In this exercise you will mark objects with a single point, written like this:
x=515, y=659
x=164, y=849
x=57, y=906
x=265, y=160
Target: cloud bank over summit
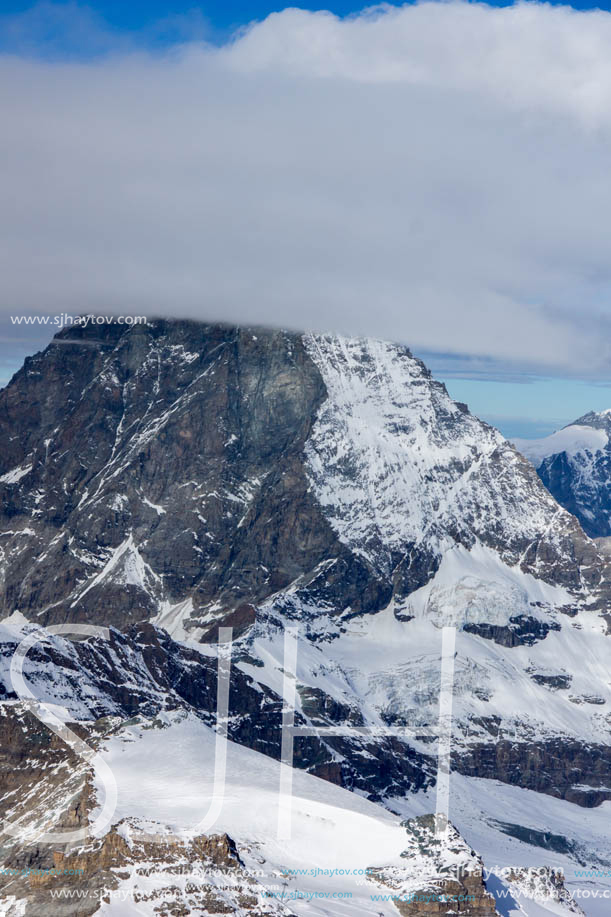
x=435, y=174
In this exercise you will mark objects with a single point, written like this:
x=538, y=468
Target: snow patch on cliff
x=396, y=463
x=475, y=586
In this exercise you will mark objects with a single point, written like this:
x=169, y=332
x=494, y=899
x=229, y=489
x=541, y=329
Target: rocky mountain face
x=185, y=470
x=575, y=465
x=144, y=672
x=169, y=479
x=456, y=880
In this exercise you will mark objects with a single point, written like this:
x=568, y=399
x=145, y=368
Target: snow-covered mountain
x=169, y=479
x=575, y=465
x=182, y=470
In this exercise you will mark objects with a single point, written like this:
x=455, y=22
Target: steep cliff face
x=182, y=470
x=164, y=466
x=575, y=465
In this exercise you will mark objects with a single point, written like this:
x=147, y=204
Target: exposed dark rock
x=186, y=437
x=566, y=769
x=240, y=619
x=98, y=867
x=547, y=840
x=595, y=699
x=448, y=874
x=522, y=630
x=145, y=671
x=152, y=465
x=552, y=681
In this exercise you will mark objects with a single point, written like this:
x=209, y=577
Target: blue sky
x=27, y=27
x=137, y=16
x=529, y=409
x=436, y=175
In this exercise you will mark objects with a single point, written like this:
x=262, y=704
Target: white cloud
x=437, y=174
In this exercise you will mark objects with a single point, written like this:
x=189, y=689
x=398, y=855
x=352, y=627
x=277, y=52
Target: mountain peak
x=574, y=463
x=142, y=476
x=599, y=420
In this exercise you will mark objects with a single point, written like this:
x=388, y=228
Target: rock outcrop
x=442, y=875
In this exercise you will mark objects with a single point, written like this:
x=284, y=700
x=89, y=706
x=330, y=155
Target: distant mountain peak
x=574, y=463
x=600, y=420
